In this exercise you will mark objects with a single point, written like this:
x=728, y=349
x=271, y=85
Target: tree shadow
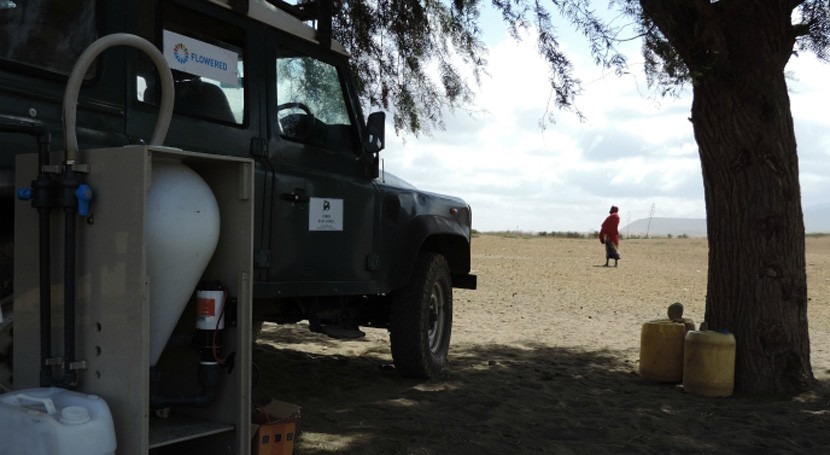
x=523, y=399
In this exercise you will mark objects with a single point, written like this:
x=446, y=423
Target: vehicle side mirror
x=375, y=127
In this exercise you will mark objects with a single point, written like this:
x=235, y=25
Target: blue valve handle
x=83, y=194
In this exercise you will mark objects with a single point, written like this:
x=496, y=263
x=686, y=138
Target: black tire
x=421, y=319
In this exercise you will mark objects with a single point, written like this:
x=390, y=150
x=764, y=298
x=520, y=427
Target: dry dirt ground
x=544, y=359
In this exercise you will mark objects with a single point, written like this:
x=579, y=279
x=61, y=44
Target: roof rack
x=318, y=11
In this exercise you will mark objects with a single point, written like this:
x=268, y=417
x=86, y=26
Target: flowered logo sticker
x=193, y=56
x=180, y=53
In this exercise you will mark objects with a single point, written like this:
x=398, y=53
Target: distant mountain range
x=662, y=227
x=816, y=220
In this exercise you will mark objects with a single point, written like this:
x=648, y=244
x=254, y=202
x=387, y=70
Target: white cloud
x=634, y=150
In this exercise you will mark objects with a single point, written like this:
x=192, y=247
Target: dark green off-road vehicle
x=336, y=242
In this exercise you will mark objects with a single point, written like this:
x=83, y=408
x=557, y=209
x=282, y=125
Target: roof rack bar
x=320, y=11
x=305, y=11
x=325, y=11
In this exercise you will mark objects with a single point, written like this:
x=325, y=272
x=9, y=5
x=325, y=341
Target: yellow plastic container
x=661, y=350
x=709, y=363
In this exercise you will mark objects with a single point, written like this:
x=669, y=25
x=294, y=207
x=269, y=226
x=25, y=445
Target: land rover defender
x=337, y=242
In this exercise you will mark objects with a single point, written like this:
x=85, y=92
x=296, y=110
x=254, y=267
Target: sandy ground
x=544, y=359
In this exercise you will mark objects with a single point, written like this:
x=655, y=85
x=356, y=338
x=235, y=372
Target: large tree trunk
x=757, y=286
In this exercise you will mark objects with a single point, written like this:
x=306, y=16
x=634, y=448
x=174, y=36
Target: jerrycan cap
x=74, y=415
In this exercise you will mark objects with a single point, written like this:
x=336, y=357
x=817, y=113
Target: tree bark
x=757, y=284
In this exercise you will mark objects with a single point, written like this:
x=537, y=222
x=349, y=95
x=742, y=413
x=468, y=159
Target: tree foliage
x=418, y=58
x=679, y=35
x=406, y=55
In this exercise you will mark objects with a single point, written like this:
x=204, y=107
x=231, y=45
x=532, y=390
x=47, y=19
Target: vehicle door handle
x=295, y=197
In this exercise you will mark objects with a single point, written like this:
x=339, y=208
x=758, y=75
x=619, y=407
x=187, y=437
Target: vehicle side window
x=47, y=34
x=207, y=64
x=311, y=106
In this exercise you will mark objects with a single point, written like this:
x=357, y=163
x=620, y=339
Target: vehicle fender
x=432, y=233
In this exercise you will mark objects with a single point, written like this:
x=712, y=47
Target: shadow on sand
x=519, y=399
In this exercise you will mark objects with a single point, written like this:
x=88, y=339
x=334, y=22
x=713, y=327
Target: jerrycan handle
x=46, y=402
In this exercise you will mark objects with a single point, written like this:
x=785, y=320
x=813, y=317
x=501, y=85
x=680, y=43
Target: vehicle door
x=321, y=223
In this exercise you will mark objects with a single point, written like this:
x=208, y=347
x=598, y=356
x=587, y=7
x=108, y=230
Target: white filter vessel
x=182, y=233
x=55, y=421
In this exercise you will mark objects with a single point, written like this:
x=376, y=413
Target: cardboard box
x=275, y=439
x=274, y=427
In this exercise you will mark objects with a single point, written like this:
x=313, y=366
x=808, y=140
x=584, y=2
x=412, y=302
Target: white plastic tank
x=182, y=227
x=55, y=421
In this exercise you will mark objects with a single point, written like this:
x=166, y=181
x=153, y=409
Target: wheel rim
x=437, y=319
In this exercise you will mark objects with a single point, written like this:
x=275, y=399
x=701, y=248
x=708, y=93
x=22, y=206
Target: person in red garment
x=610, y=235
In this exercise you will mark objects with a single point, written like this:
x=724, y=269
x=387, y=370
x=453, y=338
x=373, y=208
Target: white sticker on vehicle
x=325, y=214
x=192, y=56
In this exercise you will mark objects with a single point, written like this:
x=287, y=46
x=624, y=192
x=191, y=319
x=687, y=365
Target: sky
x=634, y=150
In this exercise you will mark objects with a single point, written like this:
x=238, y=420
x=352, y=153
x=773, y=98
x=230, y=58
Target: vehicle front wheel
x=421, y=319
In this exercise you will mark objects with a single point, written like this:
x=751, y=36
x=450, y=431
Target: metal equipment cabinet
x=113, y=302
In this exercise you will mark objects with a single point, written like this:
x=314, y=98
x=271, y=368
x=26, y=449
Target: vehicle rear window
x=46, y=34
x=206, y=56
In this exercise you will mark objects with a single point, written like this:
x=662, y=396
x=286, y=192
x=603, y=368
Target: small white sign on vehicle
x=325, y=214
x=192, y=56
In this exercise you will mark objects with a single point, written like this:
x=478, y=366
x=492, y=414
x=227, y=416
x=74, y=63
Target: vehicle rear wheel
x=421, y=319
